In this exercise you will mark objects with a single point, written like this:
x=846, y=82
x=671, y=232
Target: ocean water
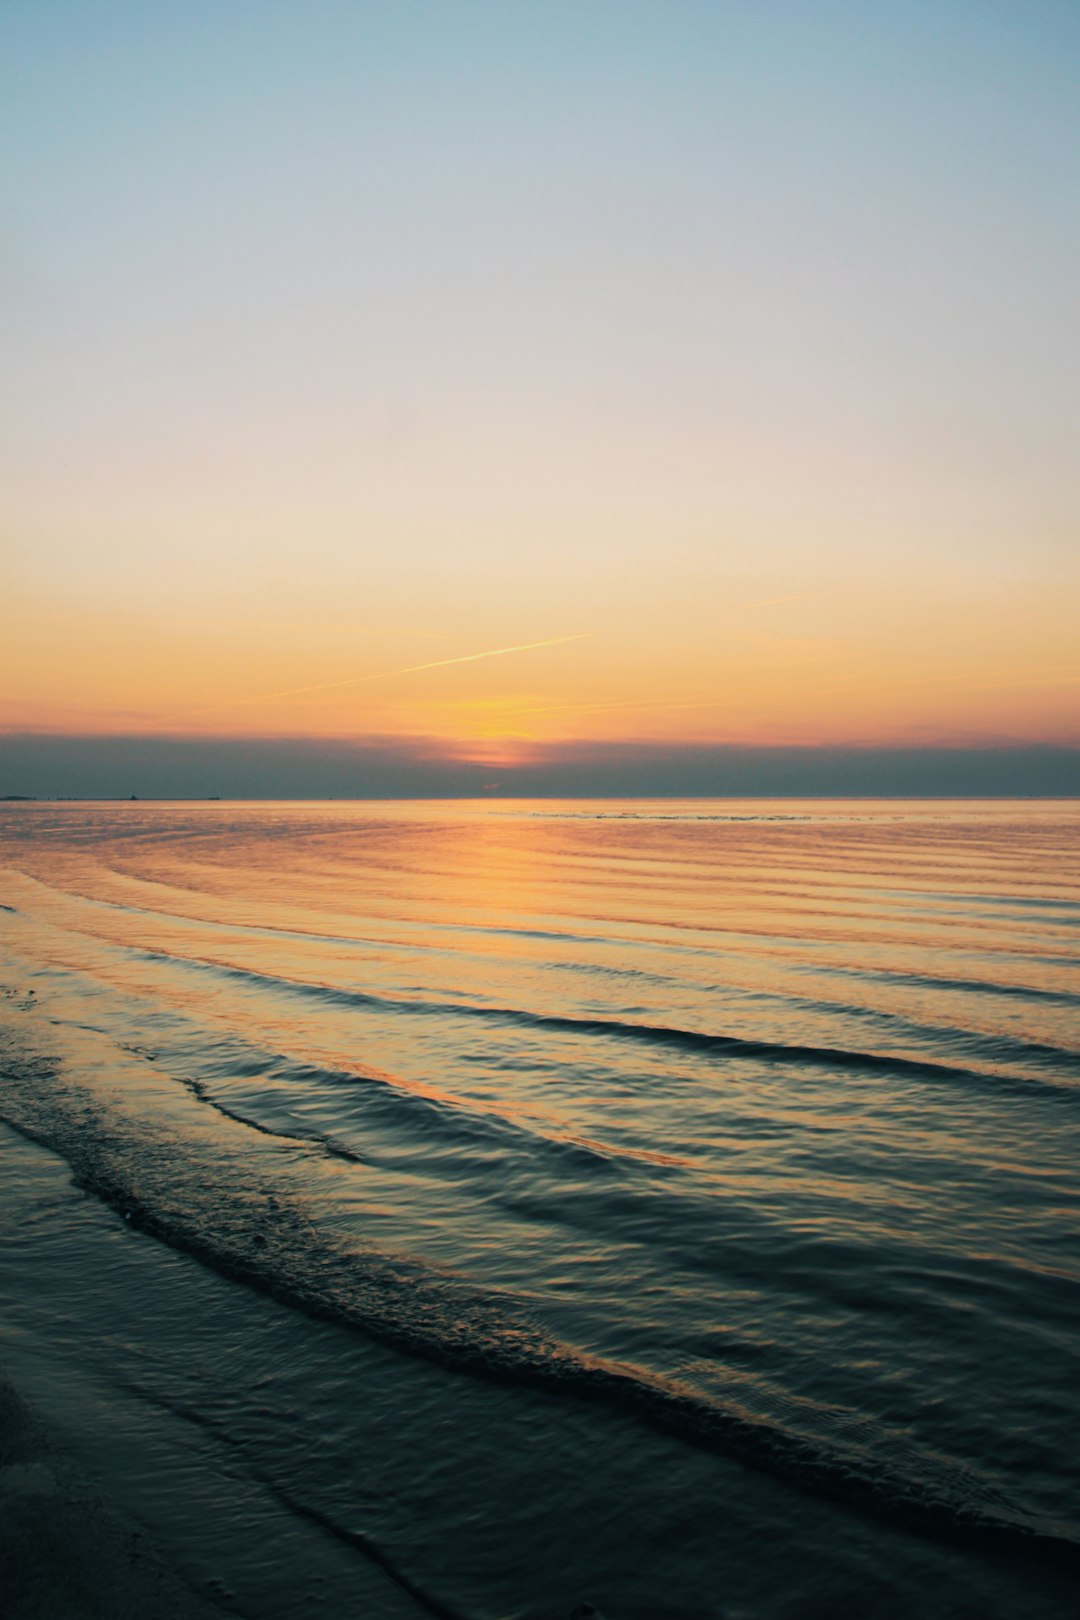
x=489, y=1209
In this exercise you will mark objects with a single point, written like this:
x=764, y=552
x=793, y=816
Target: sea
x=525, y=1210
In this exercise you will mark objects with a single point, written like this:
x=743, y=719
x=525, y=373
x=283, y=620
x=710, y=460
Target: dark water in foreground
x=485, y=1209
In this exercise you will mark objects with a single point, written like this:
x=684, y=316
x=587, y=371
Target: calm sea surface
x=487, y=1209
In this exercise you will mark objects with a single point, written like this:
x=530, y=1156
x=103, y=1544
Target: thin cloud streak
x=467, y=658
x=388, y=674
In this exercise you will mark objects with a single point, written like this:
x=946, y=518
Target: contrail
x=414, y=669
x=409, y=669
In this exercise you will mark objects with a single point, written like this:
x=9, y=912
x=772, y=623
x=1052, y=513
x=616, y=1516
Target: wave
x=480, y=1135
x=325, y=1144
x=476, y=1133
x=672, y=1037
x=225, y=1215
x=986, y=987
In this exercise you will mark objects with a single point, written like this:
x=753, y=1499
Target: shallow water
x=672, y=1206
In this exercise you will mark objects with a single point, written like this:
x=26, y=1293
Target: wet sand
x=66, y=1550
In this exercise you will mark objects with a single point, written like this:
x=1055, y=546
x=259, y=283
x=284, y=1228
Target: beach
x=66, y=1551
x=486, y=1210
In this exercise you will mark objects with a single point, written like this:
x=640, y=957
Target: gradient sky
x=730, y=351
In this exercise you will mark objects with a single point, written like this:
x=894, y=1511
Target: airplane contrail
x=410, y=669
x=437, y=663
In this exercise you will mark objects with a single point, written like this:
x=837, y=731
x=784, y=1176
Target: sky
x=507, y=384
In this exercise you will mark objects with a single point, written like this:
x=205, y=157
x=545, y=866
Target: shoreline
x=117, y=1499
x=67, y=1550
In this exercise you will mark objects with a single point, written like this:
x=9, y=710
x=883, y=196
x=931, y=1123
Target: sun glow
x=604, y=437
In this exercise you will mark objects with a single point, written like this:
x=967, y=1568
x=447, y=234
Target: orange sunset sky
x=710, y=370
